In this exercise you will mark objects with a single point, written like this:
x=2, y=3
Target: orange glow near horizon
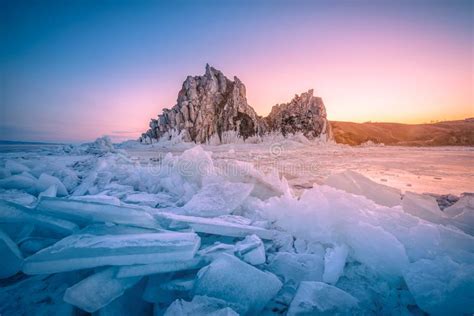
x=85, y=76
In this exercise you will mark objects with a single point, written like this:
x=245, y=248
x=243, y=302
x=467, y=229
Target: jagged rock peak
x=305, y=113
x=208, y=105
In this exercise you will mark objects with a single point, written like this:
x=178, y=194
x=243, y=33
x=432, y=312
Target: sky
x=71, y=71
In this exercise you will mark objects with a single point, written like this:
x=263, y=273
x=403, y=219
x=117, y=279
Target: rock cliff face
x=208, y=105
x=305, y=113
x=212, y=104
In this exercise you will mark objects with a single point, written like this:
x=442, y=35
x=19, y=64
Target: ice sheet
x=353, y=182
x=46, y=180
x=294, y=268
x=334, y=262
x=10, y=255
x=200, y=305
x=98, y=290
x=85, y=212
x=216, y=199
x=15, y=213
x=318, y=298
x=83, y=251
x=235, y=281
x=216, y=226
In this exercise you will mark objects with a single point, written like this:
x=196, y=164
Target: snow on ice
x=93, y=228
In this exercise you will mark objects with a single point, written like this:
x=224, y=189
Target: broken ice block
x=293, y=267
x=334, y=262
x=355, y=183
x=18, y=197
x=200, y=305
x=163, y=267
x=180, y=284
x=215, y=226
x=423, y=206
x=152, y=200
x=10, y=257
x=39, y=295
x=251, y=250
x=83, y=251
x=153, y=293
x=52, y=191
x=442, y=286
x=45, y=181
x=86, y=212
x=19, y=182
x=98, y=290
x=15, y=167
x=32, y=245
x=462, y=214
x=318, y=298
x=130, y=303
x=15, y=213
x=235, y=281
x=99, y=198
x=217, y=199
x=88, y=182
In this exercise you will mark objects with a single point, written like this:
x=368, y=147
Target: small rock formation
x=305, y=113
x=208, y=105
x=212, y=104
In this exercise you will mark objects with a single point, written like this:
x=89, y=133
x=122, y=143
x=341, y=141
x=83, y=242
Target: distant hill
x=449, y=133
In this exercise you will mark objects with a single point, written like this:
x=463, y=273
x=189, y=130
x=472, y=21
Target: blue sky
x=75, y=70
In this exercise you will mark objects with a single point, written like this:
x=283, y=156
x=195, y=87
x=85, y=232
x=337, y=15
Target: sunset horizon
x=106, y=68
x=237, y=157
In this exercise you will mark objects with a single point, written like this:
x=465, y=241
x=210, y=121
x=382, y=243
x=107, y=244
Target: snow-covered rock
x=304, y=114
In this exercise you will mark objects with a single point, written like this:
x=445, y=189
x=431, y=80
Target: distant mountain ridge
x=448, y=133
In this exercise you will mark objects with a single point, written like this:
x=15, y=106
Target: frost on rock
x=235, y=281
x=318, y=298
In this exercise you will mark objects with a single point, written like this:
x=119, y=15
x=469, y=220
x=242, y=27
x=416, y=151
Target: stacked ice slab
x=93, y=231
x=113, y=258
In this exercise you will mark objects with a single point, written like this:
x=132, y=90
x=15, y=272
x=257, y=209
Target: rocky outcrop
x=211, y=105
x=208, y=105
x=305, y=113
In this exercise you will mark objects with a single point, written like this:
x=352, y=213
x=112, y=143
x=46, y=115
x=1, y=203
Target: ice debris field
x=89, y=229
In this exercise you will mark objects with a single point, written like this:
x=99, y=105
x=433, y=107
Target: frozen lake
x=439, y=170
x=168, y=229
